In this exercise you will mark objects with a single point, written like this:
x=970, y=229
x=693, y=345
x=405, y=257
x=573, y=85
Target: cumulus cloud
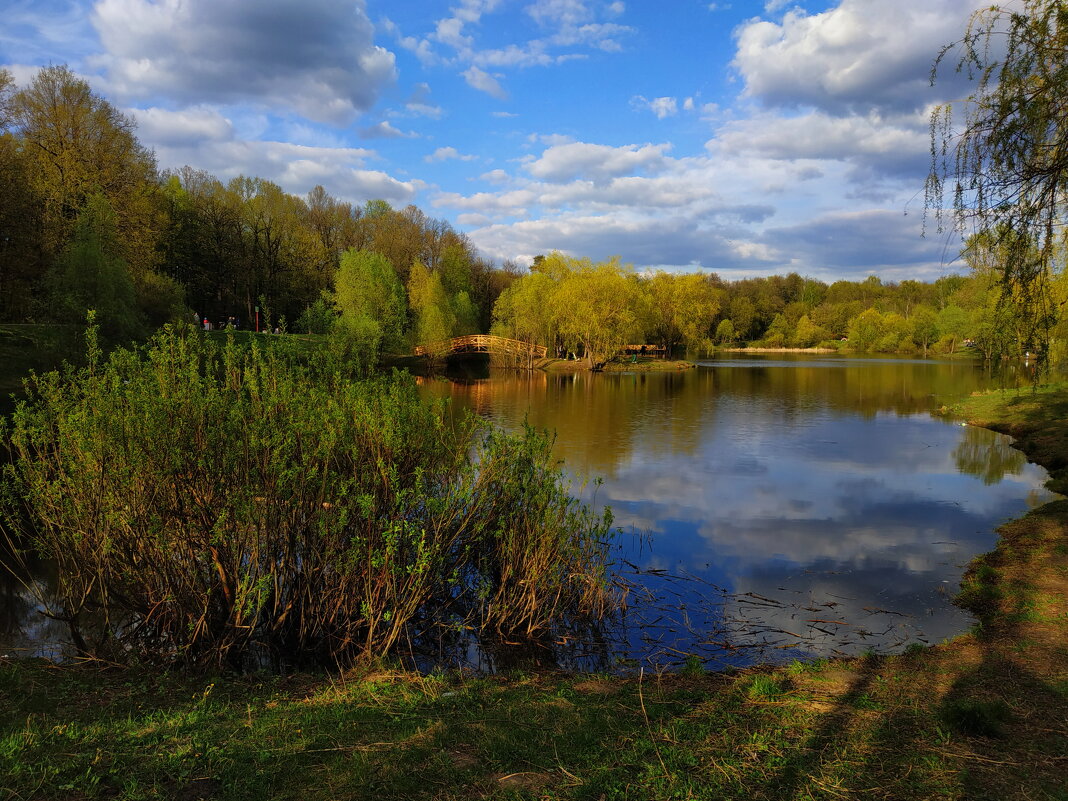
x=644, y=241
x=418, y=104
x=571, y=26
x=891, y=146
x=202, y=138
x=448, y=153
x=854, y=244
x=859, y=55
x=316, y=57
x=384, y=130
x=484, y=82
x=660, y=106
x=175, y=128
x=596, y=162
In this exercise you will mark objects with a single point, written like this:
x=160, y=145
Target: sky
x=746, y=138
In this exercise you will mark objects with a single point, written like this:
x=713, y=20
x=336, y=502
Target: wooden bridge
x=483, y=343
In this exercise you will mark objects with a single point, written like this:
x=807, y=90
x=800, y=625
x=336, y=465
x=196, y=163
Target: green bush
x=205, y=505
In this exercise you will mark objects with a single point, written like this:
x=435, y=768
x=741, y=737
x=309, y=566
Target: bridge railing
x=483, y=343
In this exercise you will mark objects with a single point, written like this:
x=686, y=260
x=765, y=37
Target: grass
x=984, y=716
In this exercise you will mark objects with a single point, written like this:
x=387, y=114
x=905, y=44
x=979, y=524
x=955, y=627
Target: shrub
x=208, y=505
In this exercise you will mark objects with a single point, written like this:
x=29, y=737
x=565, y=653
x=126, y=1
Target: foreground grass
x=982, y=717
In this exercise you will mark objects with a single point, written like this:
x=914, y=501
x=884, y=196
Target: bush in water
x=204, y=503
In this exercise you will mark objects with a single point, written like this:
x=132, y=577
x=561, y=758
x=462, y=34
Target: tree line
x=599, y=309
x=90, y=222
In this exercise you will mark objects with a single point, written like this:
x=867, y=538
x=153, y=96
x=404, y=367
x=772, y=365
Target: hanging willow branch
x=1007, y=169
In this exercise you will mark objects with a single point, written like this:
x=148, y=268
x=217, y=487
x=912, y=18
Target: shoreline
x=984, y=715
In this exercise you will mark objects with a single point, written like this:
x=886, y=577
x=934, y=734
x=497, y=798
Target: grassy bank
x=982, y=717
x=621, y=365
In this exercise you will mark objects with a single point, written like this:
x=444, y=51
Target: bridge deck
x=483, y=343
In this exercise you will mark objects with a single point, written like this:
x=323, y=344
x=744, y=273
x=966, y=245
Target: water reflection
x=24, y=628
x=775, y=507
x=793, y=506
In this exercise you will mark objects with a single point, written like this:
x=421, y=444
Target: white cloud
x=894, y=145
x=316, y=57
x=596, y=162
x=473, y=219
x=417, y=104
x=859, y=55
x=203, y=139
x=448, y=153
x=33, y=32
x=385, y=130
x=662, y=107
x=484, y=82
x=855, y=244
x=175, y=128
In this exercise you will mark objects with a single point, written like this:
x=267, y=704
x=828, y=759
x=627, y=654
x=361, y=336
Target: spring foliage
x=1007, y=169
x=208, y=506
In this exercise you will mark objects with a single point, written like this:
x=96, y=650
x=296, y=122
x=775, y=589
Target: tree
x=681, y=309
x=807, y=334
x=366, y=286
x=523, y=311
x=865, y=330
x=597, y=305
x=434, y=319
x=90, y=274
x=725, y=332
x=1008, y=169
x=78, y=145
x=924, y=327
x=21, y=267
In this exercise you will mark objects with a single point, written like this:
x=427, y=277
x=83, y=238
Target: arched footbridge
x=483, y=343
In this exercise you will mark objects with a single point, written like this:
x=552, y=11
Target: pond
x=770, y=507
x=778, y=507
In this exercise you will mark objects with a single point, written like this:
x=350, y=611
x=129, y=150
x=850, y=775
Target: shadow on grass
x=985, y=717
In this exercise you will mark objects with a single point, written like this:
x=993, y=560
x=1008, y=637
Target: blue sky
x=747, y=138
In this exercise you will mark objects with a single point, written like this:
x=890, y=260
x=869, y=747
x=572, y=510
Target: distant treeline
x=88, y=221
x=598, y=309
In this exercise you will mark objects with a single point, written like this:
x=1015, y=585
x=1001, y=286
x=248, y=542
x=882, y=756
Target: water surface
x=771, y=508
x=779, y=507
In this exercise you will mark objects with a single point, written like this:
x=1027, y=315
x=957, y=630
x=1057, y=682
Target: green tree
x=681, y=309
x=366, y=286
x=1002, y=155
x=778, y=333
x=725, y=334
x=434, y=318
x=90, y=274
x=865, y=330
x=524, y=310
x=743, y=315
x=807, y=334
x=953, y=324
x=78, y=145
x=925, y=328
x=597, y=306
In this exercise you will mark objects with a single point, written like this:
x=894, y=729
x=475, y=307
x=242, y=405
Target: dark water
x=772, y=508
x=779, y=507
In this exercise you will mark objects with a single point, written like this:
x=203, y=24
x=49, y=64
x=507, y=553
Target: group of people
x=231, y=324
